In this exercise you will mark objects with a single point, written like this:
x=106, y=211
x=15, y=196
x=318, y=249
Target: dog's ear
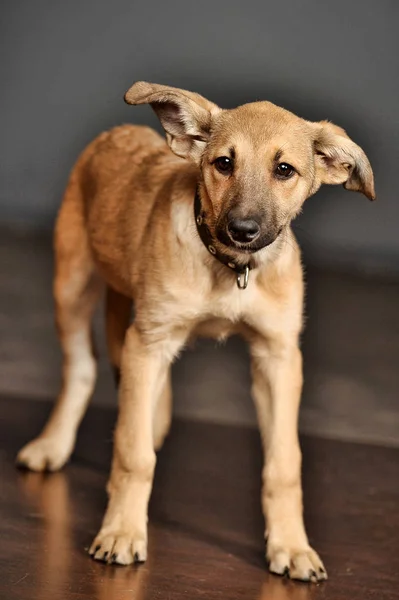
x=340, y=160
x=186, y=117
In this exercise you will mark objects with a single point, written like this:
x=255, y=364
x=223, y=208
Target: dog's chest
x=231, y=303
x=224, y=311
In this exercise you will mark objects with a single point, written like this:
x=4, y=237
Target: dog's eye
x=224, y=165
x=284, y=171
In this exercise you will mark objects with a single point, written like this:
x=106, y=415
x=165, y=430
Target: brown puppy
x=128, y=220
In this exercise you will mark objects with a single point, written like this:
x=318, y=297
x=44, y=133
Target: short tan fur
x=127, y=222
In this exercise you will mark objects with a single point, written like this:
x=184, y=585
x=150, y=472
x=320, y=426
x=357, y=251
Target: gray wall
x=66, y=65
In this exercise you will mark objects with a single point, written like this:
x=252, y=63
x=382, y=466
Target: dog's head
x=259, y=162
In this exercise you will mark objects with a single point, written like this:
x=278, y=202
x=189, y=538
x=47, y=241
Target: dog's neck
x=241, y=270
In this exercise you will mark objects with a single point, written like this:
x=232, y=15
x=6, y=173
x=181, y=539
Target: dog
x=195, y=231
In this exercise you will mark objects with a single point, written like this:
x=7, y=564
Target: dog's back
x=111, y=194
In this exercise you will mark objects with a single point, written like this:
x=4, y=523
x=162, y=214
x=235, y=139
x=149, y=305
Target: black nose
x=243, y=230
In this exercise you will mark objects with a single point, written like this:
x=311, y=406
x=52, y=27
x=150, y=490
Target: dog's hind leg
x=118, y=311
x=76, y=290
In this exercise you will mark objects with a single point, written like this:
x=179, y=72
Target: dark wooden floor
x=206, y=526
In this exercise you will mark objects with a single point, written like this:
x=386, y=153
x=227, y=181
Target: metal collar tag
x=242, y=279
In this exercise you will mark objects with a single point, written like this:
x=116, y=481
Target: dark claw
x=96, y=549
x=22, y=465
x=322, y=571
x=312, y=575
x=105, y=556
x=136, y=557
x=286, y=572
x=114, y=557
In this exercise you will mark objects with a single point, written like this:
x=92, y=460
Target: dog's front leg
x=123, y=536
x=277, y=384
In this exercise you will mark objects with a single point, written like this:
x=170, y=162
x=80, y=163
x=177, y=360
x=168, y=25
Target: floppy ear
x=340, y=160
x=186, y=117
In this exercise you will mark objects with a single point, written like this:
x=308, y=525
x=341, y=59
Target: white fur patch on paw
x=44, y=454
x=303, y=564
x=118, y=548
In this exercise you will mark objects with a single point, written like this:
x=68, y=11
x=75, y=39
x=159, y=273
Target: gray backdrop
x=66, y=65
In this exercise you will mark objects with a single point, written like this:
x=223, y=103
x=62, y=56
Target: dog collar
x=242, y=271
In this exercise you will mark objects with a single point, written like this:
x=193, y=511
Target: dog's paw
x=118, y=548
x=44, y=454
x=303, y=564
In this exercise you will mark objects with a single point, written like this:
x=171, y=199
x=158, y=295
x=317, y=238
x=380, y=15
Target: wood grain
x=206, y=525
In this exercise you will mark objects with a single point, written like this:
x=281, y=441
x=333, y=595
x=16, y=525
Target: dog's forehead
x=260, y=123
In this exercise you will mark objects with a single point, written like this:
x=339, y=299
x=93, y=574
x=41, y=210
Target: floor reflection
x=279, y=588
x=48, y=498
x=123, y=583
x=57, y=563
